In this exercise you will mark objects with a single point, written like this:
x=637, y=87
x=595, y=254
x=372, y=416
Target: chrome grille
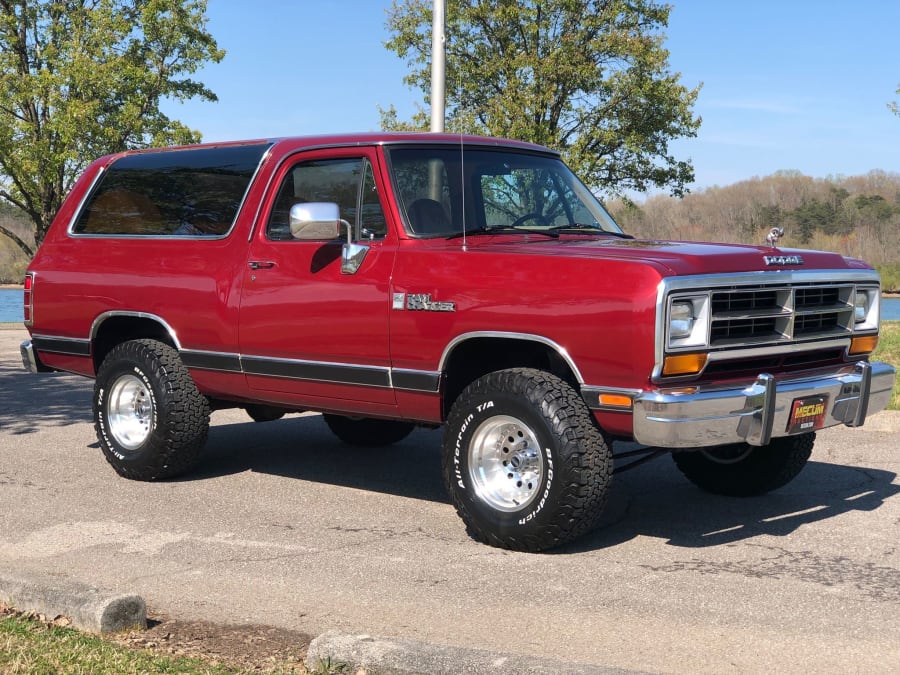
x=816, y=323
x=743, y=316
x=816, y=296
x=741, y=328
x=743, y=300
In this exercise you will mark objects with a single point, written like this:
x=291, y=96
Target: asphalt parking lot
x=284, y=525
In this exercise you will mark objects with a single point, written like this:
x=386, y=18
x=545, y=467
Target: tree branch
x=17, y=241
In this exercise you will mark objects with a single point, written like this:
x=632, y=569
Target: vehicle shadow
x=657, y=501
x=654, y=500
x=28, y=401
x=304, y=448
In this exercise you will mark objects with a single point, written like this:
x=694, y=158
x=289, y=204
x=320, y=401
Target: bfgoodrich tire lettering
x=150, y=418
x=742, y=470
x=523, y=462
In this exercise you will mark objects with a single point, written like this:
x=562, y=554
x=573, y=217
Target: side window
x=195, y=192
x=349, y=183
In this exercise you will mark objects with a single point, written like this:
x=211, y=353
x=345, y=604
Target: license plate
x=807, y=414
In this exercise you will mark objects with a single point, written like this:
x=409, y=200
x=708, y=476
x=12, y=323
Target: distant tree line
x=856, y=216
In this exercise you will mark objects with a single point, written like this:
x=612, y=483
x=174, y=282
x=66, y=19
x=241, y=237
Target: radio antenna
x=462, y=184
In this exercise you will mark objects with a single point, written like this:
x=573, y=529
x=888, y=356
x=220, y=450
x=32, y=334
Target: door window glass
x=372, y=224
x=347, y=182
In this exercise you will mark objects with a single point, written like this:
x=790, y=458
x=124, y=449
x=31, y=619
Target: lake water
x=11, y=306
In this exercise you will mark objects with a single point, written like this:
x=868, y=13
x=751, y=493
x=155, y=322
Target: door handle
x=261, y=264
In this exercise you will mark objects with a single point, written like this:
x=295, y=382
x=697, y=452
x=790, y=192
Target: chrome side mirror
x=322, y=220
x=315, y=220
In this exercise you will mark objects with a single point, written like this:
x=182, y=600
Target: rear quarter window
x=193, y=192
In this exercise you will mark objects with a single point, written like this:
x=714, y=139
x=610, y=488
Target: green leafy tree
x=810, y=216
x=587, y=77
x=83, y=78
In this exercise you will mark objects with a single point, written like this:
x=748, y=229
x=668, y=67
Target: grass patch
x=889, y=352
x=29, y=645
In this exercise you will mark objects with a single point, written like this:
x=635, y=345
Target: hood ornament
x=772, y=238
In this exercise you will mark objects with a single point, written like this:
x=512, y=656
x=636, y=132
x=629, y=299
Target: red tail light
x=27, y=301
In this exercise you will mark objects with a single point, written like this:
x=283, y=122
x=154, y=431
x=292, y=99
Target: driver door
x=309, y=334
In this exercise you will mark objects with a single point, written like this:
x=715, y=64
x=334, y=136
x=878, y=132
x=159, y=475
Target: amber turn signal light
x=615, y=400
x=864, y=344
x=684, y=364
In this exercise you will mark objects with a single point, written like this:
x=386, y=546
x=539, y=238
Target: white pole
x=437, y=67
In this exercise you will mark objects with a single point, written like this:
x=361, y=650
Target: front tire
x=366, y=432
x=524, y=464
x=150, y=418
x=742, y=470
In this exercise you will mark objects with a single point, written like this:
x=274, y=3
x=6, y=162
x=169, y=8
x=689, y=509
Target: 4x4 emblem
x=421, y=302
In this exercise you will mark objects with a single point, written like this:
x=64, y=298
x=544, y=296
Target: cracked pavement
x=283, y=525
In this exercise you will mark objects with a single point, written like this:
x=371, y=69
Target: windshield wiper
x=581, y=227
x=500, y=229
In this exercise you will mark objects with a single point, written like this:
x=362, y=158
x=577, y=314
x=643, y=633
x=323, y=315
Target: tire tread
x=584, y=459
x=767, y=468
x=182, y=410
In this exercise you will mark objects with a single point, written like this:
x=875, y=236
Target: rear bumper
x=708, y=416
x=30, y=359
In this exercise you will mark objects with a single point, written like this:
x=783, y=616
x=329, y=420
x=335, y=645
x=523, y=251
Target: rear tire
x=264, y=413
x=524, y=464
x=742, y=470
x=366, y=432
x=150, y=418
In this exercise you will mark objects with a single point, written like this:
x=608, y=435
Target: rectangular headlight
x=681, y=319
x=865, y=309
x=861, y=306
x=687, y=322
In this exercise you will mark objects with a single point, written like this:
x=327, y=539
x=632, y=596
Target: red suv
x=390, y=281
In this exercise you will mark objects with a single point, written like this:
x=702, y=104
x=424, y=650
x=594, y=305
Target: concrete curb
x=89, y=608
x=98, y=611
x=388, y=655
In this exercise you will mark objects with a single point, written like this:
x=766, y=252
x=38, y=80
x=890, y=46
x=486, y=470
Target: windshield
x=445, y=189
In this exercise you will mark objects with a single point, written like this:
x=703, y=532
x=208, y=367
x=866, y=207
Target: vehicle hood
x=678, y=257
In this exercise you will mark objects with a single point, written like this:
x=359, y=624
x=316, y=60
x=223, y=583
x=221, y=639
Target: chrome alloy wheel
x=505, y=463
x=130, y=411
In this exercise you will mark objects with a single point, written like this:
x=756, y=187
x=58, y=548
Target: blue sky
x=791, y=85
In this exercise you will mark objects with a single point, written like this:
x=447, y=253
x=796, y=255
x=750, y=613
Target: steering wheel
x=529, y=216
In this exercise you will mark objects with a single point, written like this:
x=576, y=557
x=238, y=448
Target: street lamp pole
x=438, y=73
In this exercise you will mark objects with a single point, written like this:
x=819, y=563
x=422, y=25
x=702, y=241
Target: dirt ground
x=247, y=647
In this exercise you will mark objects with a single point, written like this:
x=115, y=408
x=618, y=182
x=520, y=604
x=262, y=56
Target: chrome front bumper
x=690, y=417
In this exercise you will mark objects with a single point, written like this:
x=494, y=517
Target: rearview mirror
x=315, y=220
